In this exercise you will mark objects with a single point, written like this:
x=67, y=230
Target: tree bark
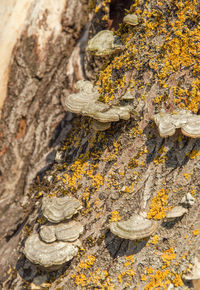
x=37, y=39
x=124, y=170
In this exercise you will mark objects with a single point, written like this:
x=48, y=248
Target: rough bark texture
x=33, y=121
x=116, y=172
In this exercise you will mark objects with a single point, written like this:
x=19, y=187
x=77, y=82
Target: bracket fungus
x=136, y=227
x=131, y=19
x=86, y=102
x=113, y=114
x=168, y=123
x=104, y=43
x=67, y=232
x=176, y=212
x=55, y=244
x=57, y=209
x=192, y=127
x=49, y=255
x=99, y=126
x=87, y=94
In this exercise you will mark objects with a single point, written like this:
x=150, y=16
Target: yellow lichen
x=158, y=279
x=161, y=157
x=87, y=263
x=196, y=232
x=158, y=205
x=129, y=261
x=188, y=175
x=154, y=239
x=193, y=154
x=110, y=156
x=177, y=281
x=40, y=194
x=143, y=277
x=168, y=255
x=128, y=273
x=115, y=217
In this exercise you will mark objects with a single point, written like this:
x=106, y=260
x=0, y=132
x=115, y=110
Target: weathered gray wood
x=37, y=39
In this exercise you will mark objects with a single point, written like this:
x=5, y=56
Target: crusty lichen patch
x=110, y=171
x=169, y=44
x=161, y=279
x=92, y=277
x=158, y=205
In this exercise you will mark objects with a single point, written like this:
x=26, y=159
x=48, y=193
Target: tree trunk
x=37, y=39
x=126, y=169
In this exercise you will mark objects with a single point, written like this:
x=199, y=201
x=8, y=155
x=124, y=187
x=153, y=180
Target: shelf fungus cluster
x=86, y=103
x=136, y=227
x=168, y=123
x=104, y=43
x=57, y=242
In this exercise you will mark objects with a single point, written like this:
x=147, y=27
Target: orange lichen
x=129, y=261
x=128, y=273
x=158, y=279
x=196, y=232
x=115, y=217
x=40, y=194
x=177, y=281
x=79, y=279
x=168, y=255
x=161, y=157
x=87, y=263
x=161, y=279
x=193, y=191
x=193, y=154
x=188, y=175
x=143, y=277
x=158, y=205
x=135, y=131
x=93, y=278
x=154, y=239
x=110, y=156
x=134, y=161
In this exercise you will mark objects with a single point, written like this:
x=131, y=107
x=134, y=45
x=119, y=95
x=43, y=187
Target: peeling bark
x=35, y=56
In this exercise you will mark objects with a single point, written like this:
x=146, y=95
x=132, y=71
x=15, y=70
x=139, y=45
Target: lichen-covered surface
x=129, y=167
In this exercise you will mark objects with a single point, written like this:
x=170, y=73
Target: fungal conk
x=57, y=209
x=131, y=19
x=168, y=123
x=104, y=43
x=176, y=212
x=87, y=94
x=86, y=103
x=48, y=255
x=67, y=232
x=99, y=126
x=136, y=227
